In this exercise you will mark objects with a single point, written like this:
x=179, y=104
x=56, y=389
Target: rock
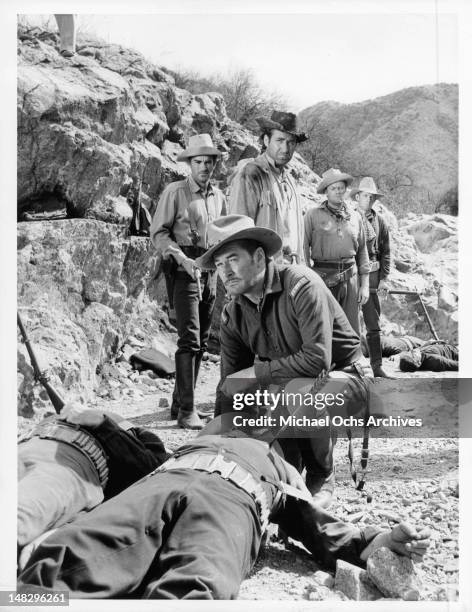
x=354, y=583
x=163, y=402
x=324, y=579
x=447, y=299
x=393, y=575
x=390, y=516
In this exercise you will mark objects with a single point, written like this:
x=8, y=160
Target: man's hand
x=239, y=381
x=78, y=414
x=189, y=266
x=382, y=289
x=403, y=539
x=363, y=294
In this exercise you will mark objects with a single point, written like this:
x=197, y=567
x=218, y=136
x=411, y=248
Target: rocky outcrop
x=82, y=286
x=91, y=126
x=425, y=256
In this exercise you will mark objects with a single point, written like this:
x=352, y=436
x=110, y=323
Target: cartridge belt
x=229, y=470
x=341, y=272
x=79, y=439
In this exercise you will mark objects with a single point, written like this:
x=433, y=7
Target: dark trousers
x=193, y=321
x=193, y=317
x=371, y=309
x=371, y=314
x=346, y=295
x=177, y=535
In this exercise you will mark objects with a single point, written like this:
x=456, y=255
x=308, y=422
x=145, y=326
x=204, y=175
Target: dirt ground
x=414, y=479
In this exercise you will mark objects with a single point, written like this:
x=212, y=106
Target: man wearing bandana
x=378, y=247
x=335, y=242
x=179, y=232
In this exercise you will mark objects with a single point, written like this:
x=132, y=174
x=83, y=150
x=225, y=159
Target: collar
x=272, y=284
x=195, y=188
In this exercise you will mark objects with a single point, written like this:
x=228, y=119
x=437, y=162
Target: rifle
x=418, y=295
x=39, y=375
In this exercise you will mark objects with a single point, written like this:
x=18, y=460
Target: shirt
x=298, y=330
x=182, y=216
x=330, y=239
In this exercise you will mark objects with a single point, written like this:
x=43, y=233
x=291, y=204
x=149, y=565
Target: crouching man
x=282, y=324
x=192, y=529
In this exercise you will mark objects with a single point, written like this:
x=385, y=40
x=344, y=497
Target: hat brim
x=266, y=237
x=355, y=191
x=268, y=124
x=196, y=151
x=345, y=178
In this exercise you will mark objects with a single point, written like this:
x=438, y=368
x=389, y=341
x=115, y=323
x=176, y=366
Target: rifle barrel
x=54, y=396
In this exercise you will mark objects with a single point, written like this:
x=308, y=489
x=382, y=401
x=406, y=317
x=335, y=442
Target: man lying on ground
x=72, y=461
x=392, y=345
x=436, y=356
x=192, y=529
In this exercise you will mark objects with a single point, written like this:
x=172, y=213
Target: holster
x=331, y=279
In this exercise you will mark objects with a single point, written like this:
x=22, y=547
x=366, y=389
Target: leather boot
x=187, y=416
x=174, y=409
x=375, y=353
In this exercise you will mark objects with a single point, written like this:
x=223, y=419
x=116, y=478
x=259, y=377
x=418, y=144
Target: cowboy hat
x=333, y=175
x=236, y=227
x=285, y=122
x=201, y=144
x=367, y=184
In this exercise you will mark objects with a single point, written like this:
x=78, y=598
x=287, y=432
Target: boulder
x=393, y=575
x=354, y=582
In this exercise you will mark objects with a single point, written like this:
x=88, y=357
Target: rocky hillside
x=89, y=129
x=407, y=140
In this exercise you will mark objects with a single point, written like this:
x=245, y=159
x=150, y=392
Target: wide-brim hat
x=201, y=144
x=285, y=122
x=236, y=227
x=368, y=185
x=333, y=175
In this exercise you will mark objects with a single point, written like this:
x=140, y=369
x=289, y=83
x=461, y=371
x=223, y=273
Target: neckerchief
x=341, y=213
x=369, y=230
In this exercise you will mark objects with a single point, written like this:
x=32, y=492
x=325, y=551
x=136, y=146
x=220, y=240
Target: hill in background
x=407, y=140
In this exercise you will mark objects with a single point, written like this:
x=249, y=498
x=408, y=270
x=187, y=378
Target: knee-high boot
x=187, y=416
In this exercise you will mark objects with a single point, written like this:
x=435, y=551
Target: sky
x=344, y=56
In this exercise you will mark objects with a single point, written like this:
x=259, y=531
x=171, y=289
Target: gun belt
x=229, y=470
x=79, y=439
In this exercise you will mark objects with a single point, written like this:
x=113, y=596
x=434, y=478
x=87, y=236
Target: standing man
x=378, y=247
x=179, y=231
x=335, y=241
x=264, y=190
x=283, y=324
